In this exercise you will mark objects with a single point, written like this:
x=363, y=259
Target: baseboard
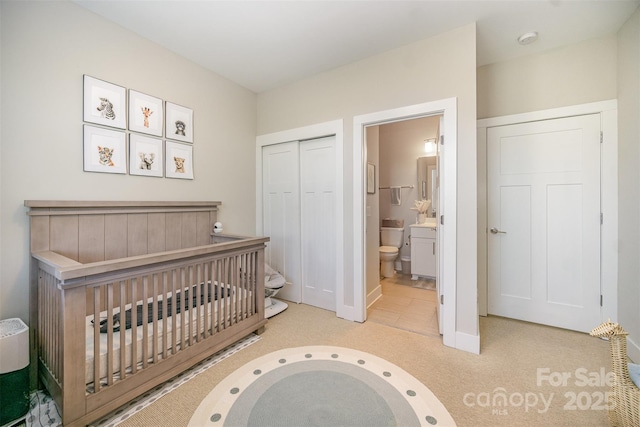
x=633, y=350
x=374, y=295
x=467, y=342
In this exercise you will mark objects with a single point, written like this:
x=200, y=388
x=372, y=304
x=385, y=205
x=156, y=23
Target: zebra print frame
x=104, y=103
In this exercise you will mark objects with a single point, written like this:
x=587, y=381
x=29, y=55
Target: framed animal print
x=145, y=156
x=178, y=160
x=104, y=150
x=146, y=113
x=104, y=103
x=179, y=123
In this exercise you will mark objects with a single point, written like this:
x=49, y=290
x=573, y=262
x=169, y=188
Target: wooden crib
x=186, y=293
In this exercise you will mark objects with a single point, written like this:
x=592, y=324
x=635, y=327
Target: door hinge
x=441, y=219
x=441, y=139
x=442, y=299
x=601, y=137
x=600, y=300
x=601, y=218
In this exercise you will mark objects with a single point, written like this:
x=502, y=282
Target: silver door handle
x=496, y=231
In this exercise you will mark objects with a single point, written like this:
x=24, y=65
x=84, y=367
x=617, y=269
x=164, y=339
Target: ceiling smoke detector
x=528, y=38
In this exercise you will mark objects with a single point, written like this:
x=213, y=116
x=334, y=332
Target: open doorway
x=447, y=205
x=401, y=226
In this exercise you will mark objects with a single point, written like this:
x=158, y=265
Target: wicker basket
x=624, y=400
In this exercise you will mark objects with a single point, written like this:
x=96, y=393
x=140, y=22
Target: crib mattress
x=153, y=345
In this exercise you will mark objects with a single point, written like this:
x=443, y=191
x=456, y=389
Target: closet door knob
x=496, y=231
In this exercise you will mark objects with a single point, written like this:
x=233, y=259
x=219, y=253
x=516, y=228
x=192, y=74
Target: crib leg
x=260, y=330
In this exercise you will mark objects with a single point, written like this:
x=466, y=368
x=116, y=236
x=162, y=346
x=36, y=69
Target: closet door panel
x=281, y=204
x=318, y=216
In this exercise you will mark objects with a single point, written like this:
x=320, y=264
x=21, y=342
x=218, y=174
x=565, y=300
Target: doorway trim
x=319, y=130
x=608, y=111
x=448, y=191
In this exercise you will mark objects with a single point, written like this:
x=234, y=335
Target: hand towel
x=396, y=196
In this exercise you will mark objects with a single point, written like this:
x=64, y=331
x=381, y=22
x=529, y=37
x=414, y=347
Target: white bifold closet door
x=299, y=202
x=281, y=210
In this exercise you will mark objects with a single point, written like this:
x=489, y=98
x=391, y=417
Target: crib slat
x=145, y=324
x=241, y=290
x=45, y=339
x=250, y=291
x=223, y=295
x=134, y=326
x=237, y=285
x=238, y=291
x=197, y=312
x=123, y=331
x=174, y=346
x=253, y=282
x=165, y=310
x=209, y=295
x=110, y=355
x=154, y=339
x=183, y=320
x=55, y=351
x=224, y=279
x=234, y=292
x=186, y=314
x=46, y=326
x=245, y=285
x=96, y=339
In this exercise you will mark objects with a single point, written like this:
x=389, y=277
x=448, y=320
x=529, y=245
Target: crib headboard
x=92, y=231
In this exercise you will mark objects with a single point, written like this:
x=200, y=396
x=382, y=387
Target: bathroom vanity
x=423, y=250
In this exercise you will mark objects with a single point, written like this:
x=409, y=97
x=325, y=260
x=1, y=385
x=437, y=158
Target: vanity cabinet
x=423, y=251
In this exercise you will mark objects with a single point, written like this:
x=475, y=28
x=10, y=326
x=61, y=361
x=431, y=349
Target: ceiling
x=265, y=44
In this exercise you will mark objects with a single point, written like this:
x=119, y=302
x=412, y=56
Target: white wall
x=629, y=181
x=576, y=74
x=46, y=48
x=437, y=68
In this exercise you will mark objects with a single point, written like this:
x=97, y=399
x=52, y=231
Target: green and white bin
x=14, y=371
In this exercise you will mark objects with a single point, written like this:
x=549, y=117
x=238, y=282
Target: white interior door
x=318, y=213
x=543, y=185
x=436, y=203
x=281, y=211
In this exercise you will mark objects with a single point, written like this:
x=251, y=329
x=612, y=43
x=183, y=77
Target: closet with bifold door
x=299, y=200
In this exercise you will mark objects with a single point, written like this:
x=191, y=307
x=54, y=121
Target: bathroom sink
x=430, y=223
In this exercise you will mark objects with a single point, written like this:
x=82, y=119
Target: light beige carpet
x=518, y=361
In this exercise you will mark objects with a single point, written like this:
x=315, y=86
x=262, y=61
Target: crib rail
x=171, y=307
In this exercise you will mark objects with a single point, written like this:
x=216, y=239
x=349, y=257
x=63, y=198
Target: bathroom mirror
x=428, y=182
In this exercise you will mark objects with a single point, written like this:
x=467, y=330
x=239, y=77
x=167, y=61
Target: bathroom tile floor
x=406, y=304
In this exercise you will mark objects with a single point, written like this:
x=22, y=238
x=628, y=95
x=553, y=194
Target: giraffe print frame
x=145, y=113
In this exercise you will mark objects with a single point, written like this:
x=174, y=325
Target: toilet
x=391, y=239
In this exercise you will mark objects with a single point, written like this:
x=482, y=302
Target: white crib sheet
x=212, y=319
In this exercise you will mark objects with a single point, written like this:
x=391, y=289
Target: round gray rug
x=320, y=386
